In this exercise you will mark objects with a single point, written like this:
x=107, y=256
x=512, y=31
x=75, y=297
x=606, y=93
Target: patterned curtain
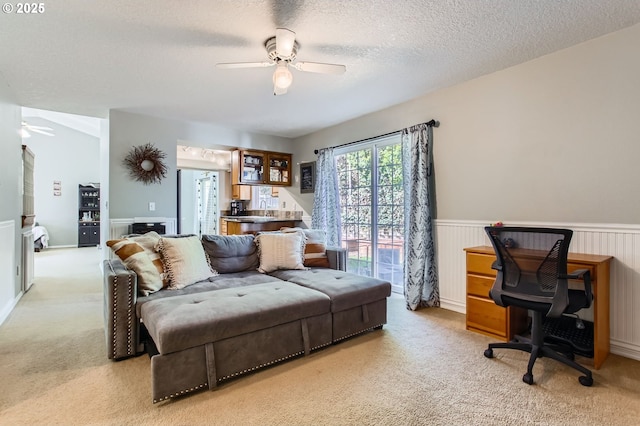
x=420, y=268
x=210, y=201
x=326, y=201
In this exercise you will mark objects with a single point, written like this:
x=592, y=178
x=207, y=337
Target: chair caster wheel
x=528, y=378
x=585, y=380
x=488, y=353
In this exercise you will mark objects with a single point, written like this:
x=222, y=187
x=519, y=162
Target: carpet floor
x=423, y=368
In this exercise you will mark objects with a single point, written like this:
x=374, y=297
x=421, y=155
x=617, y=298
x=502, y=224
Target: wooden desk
x=484, y=316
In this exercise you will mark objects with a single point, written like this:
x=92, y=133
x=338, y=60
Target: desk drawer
x=485, y=315
x=480, y=264
x=478, y=285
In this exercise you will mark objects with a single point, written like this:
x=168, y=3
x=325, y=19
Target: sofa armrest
x=120, y=321
x=337, y=258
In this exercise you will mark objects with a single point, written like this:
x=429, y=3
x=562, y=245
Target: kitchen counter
x=256, y=219
x=238, y=225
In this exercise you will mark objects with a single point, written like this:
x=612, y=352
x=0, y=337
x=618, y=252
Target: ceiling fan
x=26, y=128
x=282, y=50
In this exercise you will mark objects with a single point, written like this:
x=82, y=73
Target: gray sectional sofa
x=239, y=320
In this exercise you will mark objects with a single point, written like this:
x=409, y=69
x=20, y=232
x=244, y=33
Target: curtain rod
x=430, y=123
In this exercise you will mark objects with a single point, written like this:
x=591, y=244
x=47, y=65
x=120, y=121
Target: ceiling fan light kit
x=282, y=77
x=282, y=51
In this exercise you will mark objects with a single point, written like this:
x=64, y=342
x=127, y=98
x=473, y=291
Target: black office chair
x=532, y=274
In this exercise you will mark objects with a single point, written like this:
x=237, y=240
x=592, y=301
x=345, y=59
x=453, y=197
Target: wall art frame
x=308, y=177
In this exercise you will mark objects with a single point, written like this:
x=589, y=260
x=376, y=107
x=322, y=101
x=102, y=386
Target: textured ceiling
x=158, y=57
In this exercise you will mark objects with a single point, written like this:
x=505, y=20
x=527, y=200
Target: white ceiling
x=158, y=57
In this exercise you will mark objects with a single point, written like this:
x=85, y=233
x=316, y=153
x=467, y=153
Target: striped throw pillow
x=138, y=254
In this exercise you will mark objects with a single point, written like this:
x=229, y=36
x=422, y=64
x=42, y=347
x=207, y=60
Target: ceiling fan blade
x=320, y=67
x=42, y=132
x=30, y=127
x=285, y=40
x=279, y=91
x=37, y=129
x=245, y=65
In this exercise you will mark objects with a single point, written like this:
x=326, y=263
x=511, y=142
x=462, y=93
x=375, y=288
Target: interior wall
x=10, y=194
x=553, y=139
x=72, y=158
x=128, y=198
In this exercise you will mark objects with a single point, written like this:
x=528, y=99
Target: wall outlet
x=152, y=206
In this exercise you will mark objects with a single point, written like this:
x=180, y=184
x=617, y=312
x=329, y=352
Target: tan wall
x=553, y=139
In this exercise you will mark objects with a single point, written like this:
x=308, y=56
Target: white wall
x=554, y=139
x=11, y=199
x=71, y=157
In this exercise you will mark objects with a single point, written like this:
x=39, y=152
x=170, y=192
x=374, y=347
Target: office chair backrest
x=531, y=264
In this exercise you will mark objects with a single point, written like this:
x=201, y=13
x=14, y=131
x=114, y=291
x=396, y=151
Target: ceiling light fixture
x=282, y=77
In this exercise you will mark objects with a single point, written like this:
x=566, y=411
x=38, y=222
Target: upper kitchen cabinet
x=247, y=167
x=279, y=169
x=260, y=168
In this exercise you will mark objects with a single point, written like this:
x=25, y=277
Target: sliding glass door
x=372, y=208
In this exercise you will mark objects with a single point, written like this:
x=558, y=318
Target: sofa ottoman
x=208, y=337
x=358, y=303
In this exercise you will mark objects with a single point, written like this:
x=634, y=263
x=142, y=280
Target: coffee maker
x=238, y=208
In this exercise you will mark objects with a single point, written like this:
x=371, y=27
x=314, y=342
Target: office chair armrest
x=496, y=265
x=585, y=276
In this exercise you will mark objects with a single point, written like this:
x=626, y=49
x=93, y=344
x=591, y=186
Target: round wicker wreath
x=145, y=164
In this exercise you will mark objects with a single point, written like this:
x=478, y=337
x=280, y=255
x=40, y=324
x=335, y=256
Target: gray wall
x=553, y=139
x=10, y=192
x=71, y=157
x=128, y=198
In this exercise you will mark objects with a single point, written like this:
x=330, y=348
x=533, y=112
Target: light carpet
x=422, y=368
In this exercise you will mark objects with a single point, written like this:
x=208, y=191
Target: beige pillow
x=315, y=249
x=280, y=251
x=185, y=261
x=137, y=253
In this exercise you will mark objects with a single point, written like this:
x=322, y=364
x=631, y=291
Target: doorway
x=372, y=208
x=198, y=201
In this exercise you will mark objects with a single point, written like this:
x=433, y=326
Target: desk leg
x=601, y=330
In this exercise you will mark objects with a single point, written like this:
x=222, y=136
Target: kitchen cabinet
x=253, y=167
x=240, y=192
x=279, y=169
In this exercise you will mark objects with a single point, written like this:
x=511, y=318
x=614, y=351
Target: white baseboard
x=453, y=305
x=4, y=314
x=625, y=349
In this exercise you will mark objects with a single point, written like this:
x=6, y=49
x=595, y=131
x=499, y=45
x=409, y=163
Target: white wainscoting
x=620, y=241
x=7, y=268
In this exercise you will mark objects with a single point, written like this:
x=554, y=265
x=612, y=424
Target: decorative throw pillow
x=185, y=261
x=231, y=253
x=315, y=249
x=280, y=251
x=137, y=253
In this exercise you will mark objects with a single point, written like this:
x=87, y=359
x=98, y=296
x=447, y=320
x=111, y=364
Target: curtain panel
x=326, y=202
x=420, y=267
